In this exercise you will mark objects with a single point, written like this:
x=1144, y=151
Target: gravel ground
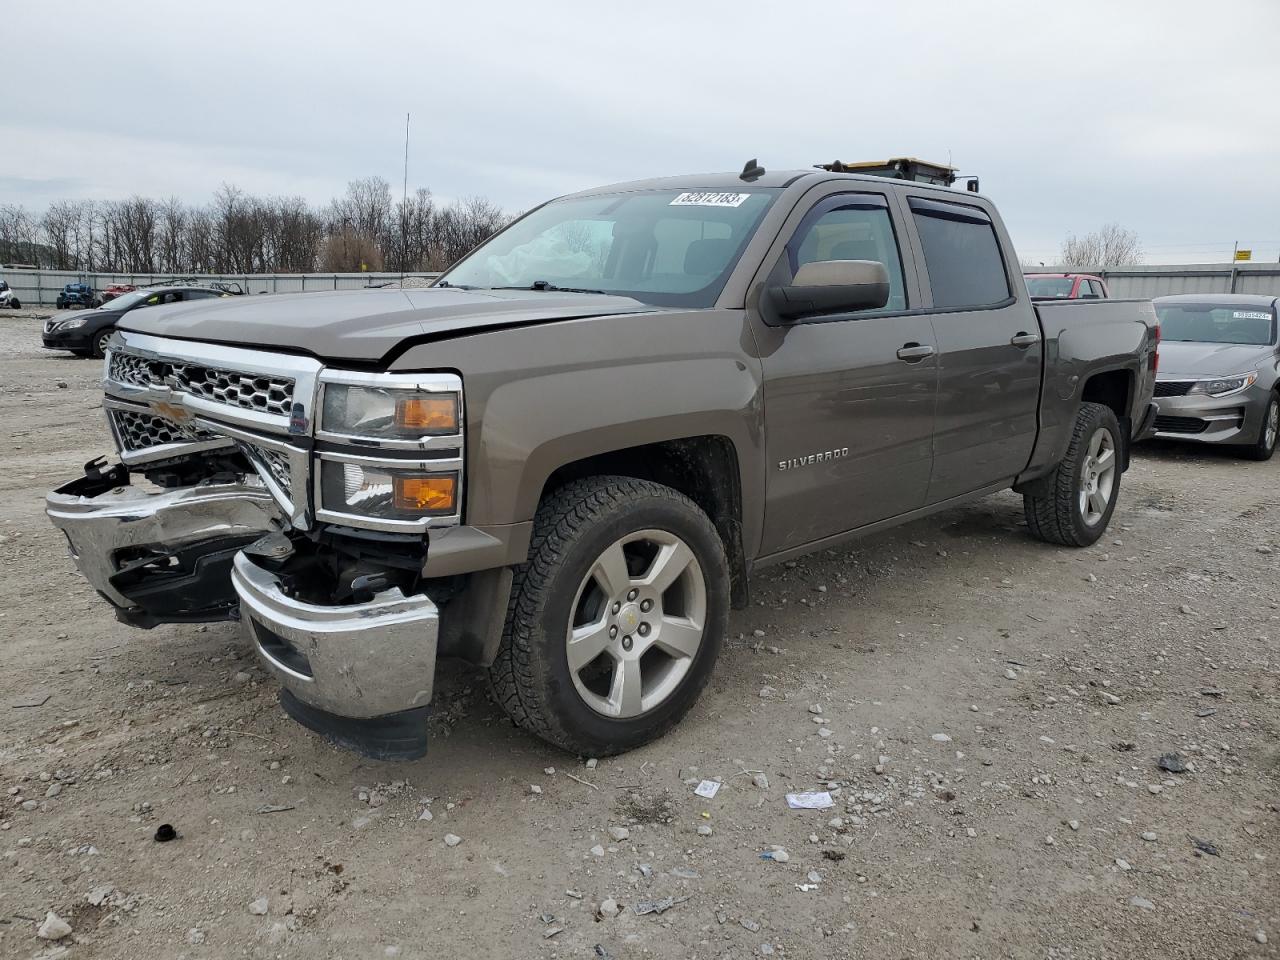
x=986, y=711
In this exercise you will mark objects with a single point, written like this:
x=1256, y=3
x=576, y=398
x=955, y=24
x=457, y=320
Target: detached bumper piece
x=160, y=557
x=358, y=674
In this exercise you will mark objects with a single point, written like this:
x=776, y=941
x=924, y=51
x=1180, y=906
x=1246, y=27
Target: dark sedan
x=87, y=332
x=1218, y=377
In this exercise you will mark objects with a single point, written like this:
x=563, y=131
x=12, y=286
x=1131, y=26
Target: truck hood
x=366, y=325
x=1182, y=360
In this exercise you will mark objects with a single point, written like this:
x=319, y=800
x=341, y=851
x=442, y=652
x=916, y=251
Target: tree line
x=364, y=229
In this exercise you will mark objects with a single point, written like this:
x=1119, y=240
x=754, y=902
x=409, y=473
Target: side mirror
x=831, y=286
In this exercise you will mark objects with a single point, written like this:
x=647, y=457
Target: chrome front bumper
x=105, y=528
x=362, y=660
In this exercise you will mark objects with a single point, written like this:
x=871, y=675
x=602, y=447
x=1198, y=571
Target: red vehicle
x=116, y=289
x=1066, y=286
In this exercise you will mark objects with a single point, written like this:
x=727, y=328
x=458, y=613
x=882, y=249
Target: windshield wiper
x=545, y=285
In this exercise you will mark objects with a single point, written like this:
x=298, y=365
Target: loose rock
x=53, y=928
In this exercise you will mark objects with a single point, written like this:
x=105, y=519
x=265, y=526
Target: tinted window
x=1098, y=290
x=851, y=227
x=961, y=254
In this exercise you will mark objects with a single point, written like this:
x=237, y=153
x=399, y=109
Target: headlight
x=393, y=412
x=382, y=491
x=391, y=453
x=73, y=323
x=1225, y=386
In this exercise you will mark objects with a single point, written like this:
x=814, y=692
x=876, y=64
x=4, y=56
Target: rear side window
x=961, y=254
x=851, y=227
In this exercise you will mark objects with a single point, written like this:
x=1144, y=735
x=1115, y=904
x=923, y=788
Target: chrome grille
x=141, y=431
x=275, y=463
x=263, y=393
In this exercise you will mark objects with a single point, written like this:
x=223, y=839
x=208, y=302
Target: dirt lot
x=987, y=712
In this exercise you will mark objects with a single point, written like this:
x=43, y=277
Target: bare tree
x=241, y=233
x=347, y=250
x=1111, y=246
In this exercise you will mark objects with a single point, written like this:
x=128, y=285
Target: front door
x=849, y=398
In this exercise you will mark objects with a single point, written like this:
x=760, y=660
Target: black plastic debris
x=165, y=833
x=1204, y=846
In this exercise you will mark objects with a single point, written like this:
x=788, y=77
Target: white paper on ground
x=707, y=788
x=810, y=801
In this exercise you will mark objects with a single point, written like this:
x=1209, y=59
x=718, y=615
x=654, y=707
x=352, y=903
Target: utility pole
x=404, y=204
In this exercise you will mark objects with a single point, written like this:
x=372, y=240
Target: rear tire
x=15, y=303
x=1085, y=486
x=1265, y=445
x=100, y=342
x=602, y=552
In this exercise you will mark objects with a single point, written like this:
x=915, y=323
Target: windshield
x=1216, y=323
x=1050, y=286
x=124, y=301
x=665, y=247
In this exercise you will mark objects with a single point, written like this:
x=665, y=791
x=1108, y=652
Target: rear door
x=989, y=347
x=849, y=398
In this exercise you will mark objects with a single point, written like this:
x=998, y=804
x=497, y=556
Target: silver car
x=1218, y=379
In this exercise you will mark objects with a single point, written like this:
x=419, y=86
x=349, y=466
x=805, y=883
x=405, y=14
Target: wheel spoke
x=626, y=689
x=672, y=560
x=1097, y=502
x=586, y=643
x=1105, y=461
x=1095, y=443
x=611, y=573
x=679, y=636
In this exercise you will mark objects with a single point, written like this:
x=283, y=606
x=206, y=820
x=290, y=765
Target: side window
x=851, y=227
x=961, y=253
x=1098, y=290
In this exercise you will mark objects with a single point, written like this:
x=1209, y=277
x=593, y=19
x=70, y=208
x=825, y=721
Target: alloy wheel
x=637, y=623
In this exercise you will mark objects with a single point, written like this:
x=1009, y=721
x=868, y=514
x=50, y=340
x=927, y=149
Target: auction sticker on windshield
x=1249, y=315
x=709, y=200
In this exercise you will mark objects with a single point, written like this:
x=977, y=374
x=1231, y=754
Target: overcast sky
x=1163, y=116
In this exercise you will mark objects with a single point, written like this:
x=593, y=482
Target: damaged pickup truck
x=565, y=459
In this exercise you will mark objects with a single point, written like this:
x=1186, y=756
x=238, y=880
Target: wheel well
x=1111, y=389
x=704, y=469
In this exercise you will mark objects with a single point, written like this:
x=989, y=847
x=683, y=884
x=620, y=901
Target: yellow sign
x=1244, y=254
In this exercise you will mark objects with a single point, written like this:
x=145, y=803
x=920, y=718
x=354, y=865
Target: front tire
x=100, y=342
x=1083, y=490
x=15, y=303
x=1267, y=436
x=616, y=621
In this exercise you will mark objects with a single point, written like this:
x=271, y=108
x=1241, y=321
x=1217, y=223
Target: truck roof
x=773, y=178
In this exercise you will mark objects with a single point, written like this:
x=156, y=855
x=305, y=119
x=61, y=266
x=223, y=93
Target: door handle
x=1025, y=340
x=914, y=352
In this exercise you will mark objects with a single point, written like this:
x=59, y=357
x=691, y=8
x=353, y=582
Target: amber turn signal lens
x=428, y=414
x=434, y=494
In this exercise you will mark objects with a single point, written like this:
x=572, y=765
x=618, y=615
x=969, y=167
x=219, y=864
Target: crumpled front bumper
x=178, y=556
x=159, y=556
x=360, y=660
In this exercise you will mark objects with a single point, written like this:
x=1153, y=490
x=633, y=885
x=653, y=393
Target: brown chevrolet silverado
x=565, y=459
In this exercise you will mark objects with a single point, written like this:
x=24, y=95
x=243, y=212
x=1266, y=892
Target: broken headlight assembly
x=390, y=454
